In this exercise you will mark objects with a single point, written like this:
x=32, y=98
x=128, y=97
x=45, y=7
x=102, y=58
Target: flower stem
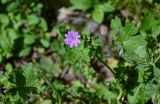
x=113, y=72
x=52, y=87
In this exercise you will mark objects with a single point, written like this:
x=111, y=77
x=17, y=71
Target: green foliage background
x=37, y=67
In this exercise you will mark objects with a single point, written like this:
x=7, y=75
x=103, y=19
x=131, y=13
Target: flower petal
x=72, y=38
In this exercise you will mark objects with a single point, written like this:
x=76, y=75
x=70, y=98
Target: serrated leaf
x=141, y=51
x=135, y=49
x=116, y=23
x=26, y=80
x=31, y=74
x=96, y=42
x=157, y=74
x=23, y=92
x=85, y=55
x=59, y=85
x=78, y=54
x=116, y=26
x=150, y=89
x=127, y=31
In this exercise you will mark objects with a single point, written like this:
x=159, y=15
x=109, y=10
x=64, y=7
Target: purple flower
x=72, y=38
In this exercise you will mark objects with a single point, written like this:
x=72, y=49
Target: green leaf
x=77, y=84
x=4, y=20
x=141, y=51
x=116, y=23
x=9, y=68
x=43, y=25
x=96, y=42
x=45, y=40
x=98, y=14
x=12, y=34
x=133, y=99
x=59, y=48
x=19, y=20
x=61, y=29
x=26, y=80
x=31, y=74
x=156, y=30
x=135, y=49
x=2, y=79
x=150, y=89
x=33, y=19
x=78, y=54
x=46, y=101
x=89, y=74
x=103, y=92
x=5, y=42
x=38, y=8
x=108, y=7
x=85, y=55
x=4, y=1
x=127, y=31
x=81, y=4
x=148, y=22
x=122, y=34
x=46, y=63
x=157, y=74
x=29, y=39
x=86, y=32
x=22, y=92
x=116, y=26
x=25, y=52
x=12, y=7
x=5, y=45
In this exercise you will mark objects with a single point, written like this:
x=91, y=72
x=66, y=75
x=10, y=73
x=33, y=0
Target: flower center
x=74, y=38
